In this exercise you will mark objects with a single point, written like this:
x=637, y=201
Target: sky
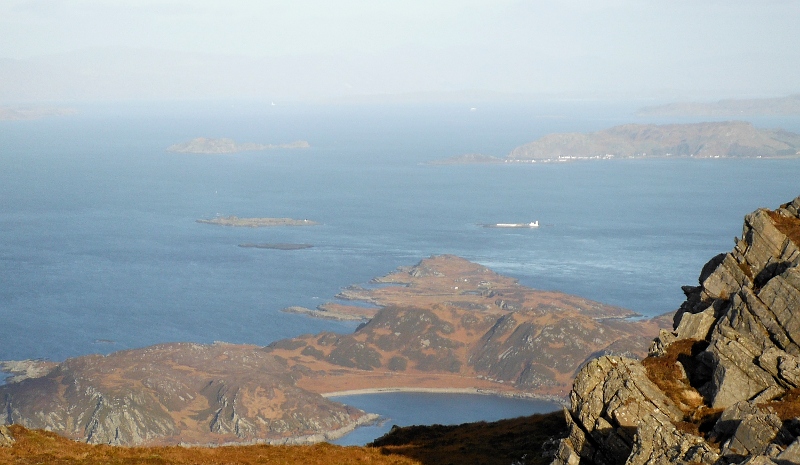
x=317, y=49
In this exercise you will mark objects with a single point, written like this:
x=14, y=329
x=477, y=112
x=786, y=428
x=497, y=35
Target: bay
x=100, y=251
x=99, y=239
x=416, y=408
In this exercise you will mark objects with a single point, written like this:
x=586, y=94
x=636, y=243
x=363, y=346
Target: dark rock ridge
x=723, y=387
x=733, y=139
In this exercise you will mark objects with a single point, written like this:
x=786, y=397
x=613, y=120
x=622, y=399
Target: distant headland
x=780, y=106
x=206, y=145
x=32, y=113
x=256, y=222
x=731, y=139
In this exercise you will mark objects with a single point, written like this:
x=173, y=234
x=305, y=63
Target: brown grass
x=40, y=447
x=788, y=406
x=787, y=225
x=498, y=443
x=666, y=373
x=502, y=442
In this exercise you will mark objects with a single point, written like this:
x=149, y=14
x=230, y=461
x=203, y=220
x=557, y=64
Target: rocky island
x=732, y=139
x=445, y=324
x=205, y=145
x=256, y=222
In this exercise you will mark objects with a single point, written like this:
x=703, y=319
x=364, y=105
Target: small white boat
x=532, y=224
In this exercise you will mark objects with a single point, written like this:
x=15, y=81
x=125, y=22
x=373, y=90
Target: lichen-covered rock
x=754, y=433
x=739, y=335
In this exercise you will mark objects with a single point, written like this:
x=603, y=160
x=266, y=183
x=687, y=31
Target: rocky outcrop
x=723, y=386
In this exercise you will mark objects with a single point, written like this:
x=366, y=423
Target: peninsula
x=444, y=325
x=732, y=139
x=256, y=222
x=205, y=145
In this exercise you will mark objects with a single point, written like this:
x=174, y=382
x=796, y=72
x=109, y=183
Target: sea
x=100, y=250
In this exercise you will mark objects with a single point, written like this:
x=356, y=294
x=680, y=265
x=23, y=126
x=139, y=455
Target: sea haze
x=101, y=252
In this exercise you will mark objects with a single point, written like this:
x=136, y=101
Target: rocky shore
x=723, y=387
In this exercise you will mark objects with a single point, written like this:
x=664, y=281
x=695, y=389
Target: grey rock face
x=744, y=318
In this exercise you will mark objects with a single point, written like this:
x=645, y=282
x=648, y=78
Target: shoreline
x=421, y=390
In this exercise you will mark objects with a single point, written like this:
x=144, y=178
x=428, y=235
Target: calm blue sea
x=100, y=251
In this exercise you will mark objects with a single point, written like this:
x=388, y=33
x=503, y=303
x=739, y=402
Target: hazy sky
x=644, y=47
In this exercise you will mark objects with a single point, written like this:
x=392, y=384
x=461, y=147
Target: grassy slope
x=503, y=442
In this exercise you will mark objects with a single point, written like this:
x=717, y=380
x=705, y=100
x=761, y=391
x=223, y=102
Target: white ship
x=532, y=224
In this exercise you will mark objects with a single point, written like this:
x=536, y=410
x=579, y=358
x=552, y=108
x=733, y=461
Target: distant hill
x=732, y=139
x=789, y=105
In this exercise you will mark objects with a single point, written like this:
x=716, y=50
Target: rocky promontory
x=723, y=387
x=204, y=145
x=443, y=324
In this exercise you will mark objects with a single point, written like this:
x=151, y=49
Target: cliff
x=445, y=324
x=723, y=386
x=734, y=139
